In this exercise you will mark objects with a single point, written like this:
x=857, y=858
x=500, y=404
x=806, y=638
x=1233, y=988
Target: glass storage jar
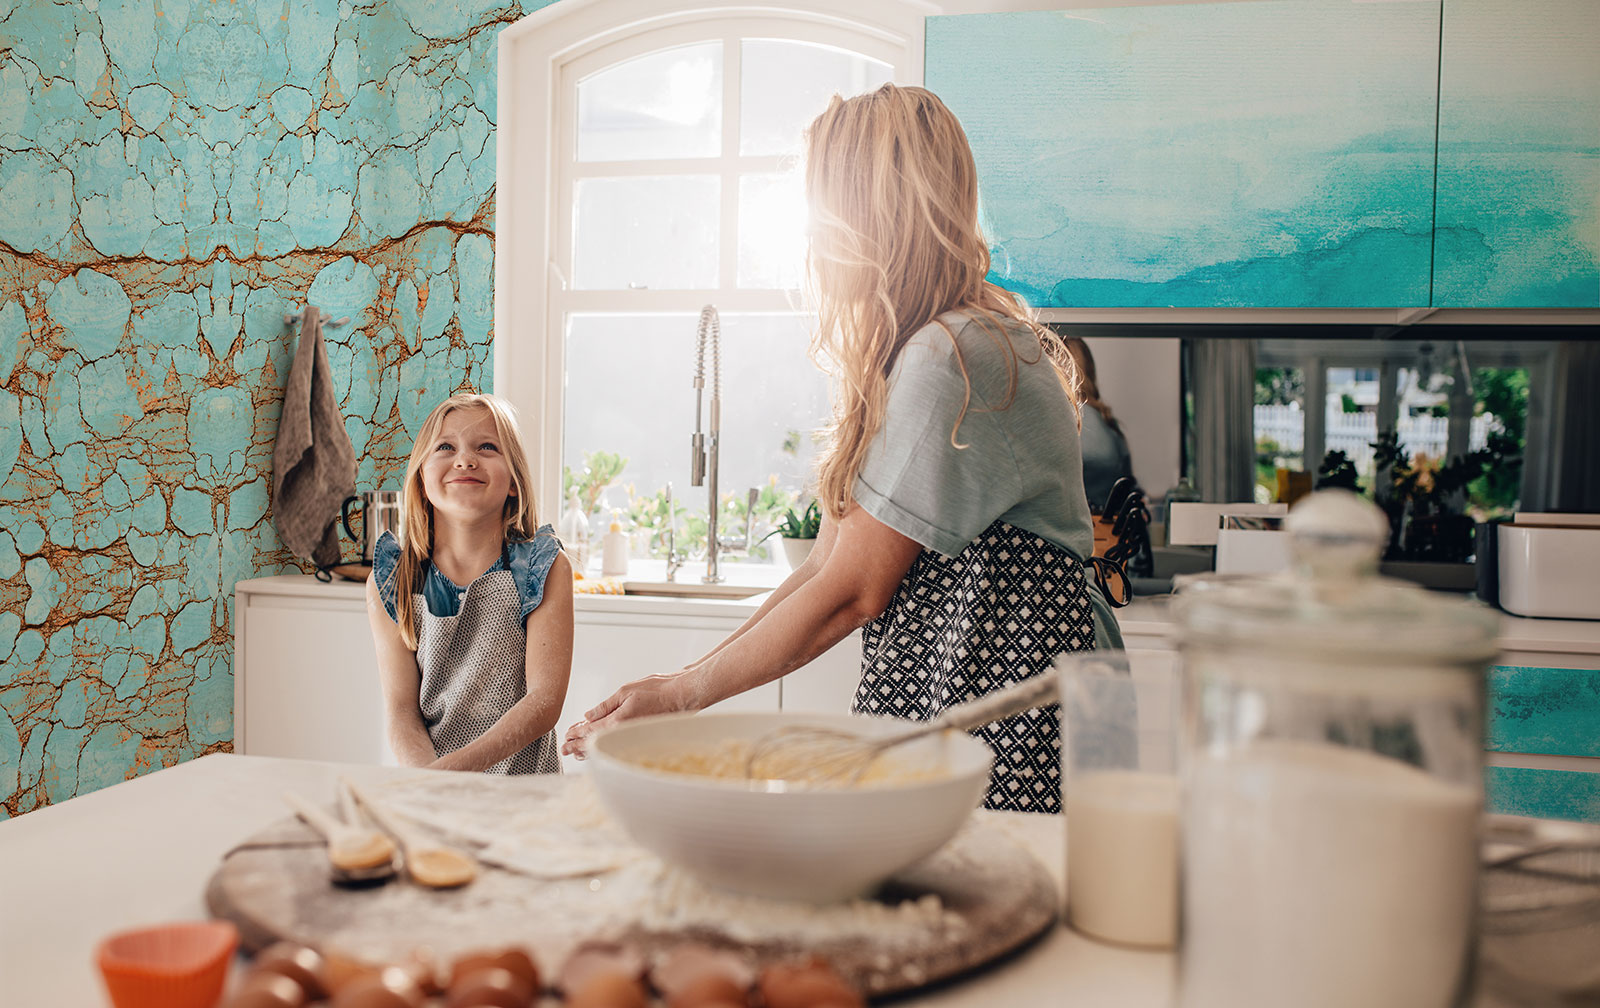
x=1333, y=782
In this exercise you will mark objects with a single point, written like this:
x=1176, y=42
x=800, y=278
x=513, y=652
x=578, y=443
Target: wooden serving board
x=979, y=898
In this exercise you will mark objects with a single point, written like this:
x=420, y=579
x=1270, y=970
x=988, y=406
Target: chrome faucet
x=703, y=462
x=674, y=558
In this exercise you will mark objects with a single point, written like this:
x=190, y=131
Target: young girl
x=956, y=526
x=472, y=614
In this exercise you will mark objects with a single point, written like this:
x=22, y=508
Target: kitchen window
x=671, y=180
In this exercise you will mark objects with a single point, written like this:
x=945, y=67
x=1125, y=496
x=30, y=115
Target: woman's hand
x=854, y=584
x=657, y=694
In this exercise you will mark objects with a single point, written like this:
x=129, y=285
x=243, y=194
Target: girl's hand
x=657, y=694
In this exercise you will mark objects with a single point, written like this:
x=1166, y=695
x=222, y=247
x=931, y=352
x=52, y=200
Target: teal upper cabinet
x=1269, y=154
x=1519, y=155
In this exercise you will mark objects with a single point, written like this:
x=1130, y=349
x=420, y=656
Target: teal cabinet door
x=1270, y=154
x=1549, y=712
x=1518, y=222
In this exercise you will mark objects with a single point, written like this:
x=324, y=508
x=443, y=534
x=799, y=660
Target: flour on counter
x=565, y=836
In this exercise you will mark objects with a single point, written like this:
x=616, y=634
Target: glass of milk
x=1332, y=779
x=1119, y=788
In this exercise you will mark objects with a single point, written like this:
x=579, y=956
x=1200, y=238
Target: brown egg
x=267, y=990
x=806, y=986
x=344, y=971
x=707, y=990
x=489, y=987
x=610, y=990
x=691, y=961
x=596, y=959
x=391, y=987
x=300, y=963
x=514, y=959
x=426, y=970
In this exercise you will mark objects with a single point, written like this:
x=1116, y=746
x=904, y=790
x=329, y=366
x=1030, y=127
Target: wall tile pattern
x=175, y=175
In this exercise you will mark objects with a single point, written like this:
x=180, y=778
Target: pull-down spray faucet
x=703, y=465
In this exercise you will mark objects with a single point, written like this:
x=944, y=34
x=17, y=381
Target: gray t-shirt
x=1020, y=465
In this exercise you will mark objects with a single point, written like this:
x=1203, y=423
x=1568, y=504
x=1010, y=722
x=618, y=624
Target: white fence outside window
x=1353, y=433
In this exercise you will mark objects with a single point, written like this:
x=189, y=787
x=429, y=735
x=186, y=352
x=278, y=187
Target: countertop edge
x=1146, y=621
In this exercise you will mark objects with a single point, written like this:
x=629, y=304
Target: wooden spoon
x=428, y=862
x=355, y=852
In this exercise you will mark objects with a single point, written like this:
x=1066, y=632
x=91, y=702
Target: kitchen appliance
x=1334, y=778
x=1548, y=565
x=1192, y=523
x=380, y=513
x=1251, y=544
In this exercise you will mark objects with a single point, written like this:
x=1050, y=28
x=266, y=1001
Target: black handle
x=1119, y=493
x=344, y=516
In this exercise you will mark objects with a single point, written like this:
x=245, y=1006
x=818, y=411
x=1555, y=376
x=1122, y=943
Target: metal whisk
x=830, y=755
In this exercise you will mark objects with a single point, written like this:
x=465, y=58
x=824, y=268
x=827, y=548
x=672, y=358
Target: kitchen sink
x=692, y=589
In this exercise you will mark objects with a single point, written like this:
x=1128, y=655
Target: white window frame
x=541, y=58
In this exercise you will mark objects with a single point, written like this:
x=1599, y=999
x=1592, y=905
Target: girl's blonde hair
x=520, y=519
x=895, y=243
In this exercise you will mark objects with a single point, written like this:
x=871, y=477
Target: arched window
x=649, y=165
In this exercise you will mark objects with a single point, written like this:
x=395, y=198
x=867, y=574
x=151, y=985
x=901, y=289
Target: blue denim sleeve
x=385, y=557
x=530, y=565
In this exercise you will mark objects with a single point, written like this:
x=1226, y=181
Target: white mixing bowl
x=813, y=845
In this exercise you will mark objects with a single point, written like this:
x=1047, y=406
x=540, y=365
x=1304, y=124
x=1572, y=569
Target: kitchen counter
x=142, y=851
x=1147, y=617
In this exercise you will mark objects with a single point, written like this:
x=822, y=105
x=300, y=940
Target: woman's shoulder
x=974, y=352
x=977, y=335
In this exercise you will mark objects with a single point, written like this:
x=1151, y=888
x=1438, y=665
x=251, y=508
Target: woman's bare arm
x=797, y=577
x=853, y=584
x=547, y=667
x=401, y=681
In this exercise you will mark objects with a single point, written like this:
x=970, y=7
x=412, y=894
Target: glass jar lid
x=1333, y=605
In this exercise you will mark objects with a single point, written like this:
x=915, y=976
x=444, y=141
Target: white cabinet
x=305, y=677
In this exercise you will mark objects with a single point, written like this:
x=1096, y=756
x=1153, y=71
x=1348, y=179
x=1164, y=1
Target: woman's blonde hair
x=1088, y=382
x=520, y=519
x=895, y=243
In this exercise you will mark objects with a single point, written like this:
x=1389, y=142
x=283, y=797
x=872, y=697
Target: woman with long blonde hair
x=1106, y=458
x=956, y=526
x=471, y=611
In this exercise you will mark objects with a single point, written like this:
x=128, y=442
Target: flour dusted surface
x=559, y=872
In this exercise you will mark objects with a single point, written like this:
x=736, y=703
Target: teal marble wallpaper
x=1241, y=155
x=1519, y=155
x=175, y=175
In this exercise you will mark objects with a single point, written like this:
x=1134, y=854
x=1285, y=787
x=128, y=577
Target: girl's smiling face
x=466, y=474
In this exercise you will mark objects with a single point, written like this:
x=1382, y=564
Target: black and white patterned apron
x=958, y=628
x=474, y=669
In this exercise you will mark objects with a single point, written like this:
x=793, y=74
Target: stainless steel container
x=380, y=513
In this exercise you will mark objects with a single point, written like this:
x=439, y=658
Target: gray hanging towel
x=313, y=463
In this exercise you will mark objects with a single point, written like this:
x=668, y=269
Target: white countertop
x=1147, y=617
x=142, y=851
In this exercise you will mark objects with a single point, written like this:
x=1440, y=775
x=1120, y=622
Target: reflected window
x=1323, y=401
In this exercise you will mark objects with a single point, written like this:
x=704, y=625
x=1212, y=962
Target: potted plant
x=798, y=532
x=1423, y=497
